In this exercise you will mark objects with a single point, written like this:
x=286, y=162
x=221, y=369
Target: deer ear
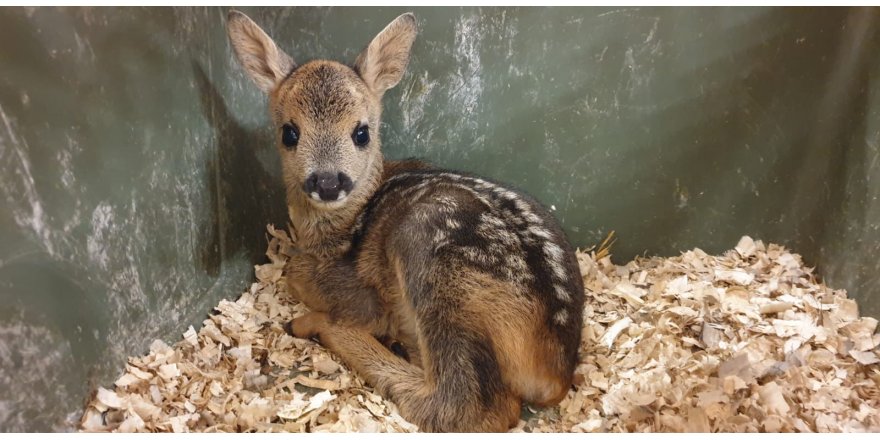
x=264, y=62
x=382, y=63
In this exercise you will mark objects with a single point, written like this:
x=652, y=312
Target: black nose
x=327, y=186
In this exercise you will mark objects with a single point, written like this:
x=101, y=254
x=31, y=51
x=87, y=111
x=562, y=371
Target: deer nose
x=328, y=187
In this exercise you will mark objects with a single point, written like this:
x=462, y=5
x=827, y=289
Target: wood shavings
x=734, y=276
x=747, y=341
x=612, y=332
x=108, y=398
x=864, y=357
x=241, y=373
x=746, y=247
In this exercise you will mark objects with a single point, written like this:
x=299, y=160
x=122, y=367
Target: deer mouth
x=322, y=203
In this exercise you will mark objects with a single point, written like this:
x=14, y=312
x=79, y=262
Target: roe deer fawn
x=476, y=281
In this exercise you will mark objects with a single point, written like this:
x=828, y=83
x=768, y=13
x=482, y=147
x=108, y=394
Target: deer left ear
x=382, y=63
x=266, y=64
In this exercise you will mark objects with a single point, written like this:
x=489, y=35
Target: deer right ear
x=382, y=63
x=266, y=64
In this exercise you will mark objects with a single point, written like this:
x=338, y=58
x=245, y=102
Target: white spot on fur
x=539, y=232
x=558, y=271
x=450, y=176
x=482, y=184
x=526, y=212
x=510, y=195
x=532, y=218
x=452, y=223
x=561, y=293
x=478, y=255
x=553, y=251
x=417, y=187
x=491, y=220
x=560, y=317
x=440, y=239
x=518, y=264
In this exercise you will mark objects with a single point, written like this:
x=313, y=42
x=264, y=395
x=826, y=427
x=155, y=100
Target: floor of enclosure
x=746, y=341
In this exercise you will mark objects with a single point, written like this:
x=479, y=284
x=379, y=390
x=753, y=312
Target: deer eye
x=361, y=136
x=289, y=136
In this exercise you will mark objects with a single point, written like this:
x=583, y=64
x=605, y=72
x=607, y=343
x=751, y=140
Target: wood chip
x=612, y=333
x=747, y=341
x=108, y=398
x=864, y=357
x=323, y=384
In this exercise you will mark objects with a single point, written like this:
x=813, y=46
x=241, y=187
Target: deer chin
x=329, y=205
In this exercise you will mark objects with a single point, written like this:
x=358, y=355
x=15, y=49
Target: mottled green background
x=137, y=172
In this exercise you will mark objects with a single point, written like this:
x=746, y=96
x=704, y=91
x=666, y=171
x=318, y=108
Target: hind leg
x=459, y=391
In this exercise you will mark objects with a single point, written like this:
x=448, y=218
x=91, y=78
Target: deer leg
x=460, y=392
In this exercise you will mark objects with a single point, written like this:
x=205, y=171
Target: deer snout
x=328, y=187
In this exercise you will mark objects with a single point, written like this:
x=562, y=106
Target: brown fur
x=476, y=281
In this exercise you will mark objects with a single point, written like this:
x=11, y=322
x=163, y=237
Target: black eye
x=289, y=136
x=361, y=135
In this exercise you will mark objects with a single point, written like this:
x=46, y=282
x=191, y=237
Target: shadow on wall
x=238, y=185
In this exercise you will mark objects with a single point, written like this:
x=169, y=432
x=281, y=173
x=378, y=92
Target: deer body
x=476, y=281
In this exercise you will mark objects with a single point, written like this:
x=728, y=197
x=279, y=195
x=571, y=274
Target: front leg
x=312, y=324
x=300, y=272
x=360, y=350
x=308, y=326
x=332, y=286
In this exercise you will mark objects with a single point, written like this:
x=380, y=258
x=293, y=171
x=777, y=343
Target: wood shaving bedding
x=747, y=341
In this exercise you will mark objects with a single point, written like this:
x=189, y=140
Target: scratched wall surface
x=137, y=172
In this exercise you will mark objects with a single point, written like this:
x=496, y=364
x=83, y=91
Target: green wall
x=137, y=170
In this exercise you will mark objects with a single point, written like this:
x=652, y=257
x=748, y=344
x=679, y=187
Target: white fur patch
x=440, y=239
x=561, y=293
x=509, y=195
x=491, y=220
x=553, y=251
x=518, y=264
x=342, y=195
x=560, y=317
x=532, y=218
x=478, y=255
x=540, y=232
x=558, y=271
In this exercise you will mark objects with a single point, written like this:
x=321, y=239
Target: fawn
x=476, y=281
